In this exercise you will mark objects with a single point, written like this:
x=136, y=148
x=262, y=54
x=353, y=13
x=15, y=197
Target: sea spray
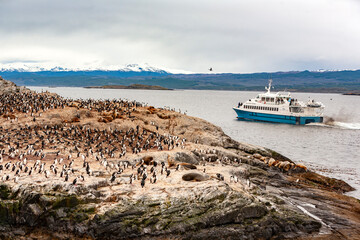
x=337, y=123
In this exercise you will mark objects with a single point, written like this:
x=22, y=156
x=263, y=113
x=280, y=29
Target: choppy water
x=332, y=149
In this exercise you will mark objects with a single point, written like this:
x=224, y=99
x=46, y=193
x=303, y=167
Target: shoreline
x=132, y=86
x=185, y=89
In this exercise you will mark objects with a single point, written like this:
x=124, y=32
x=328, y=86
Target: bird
x=112, y=179
x=210, y=69
x=142, y=183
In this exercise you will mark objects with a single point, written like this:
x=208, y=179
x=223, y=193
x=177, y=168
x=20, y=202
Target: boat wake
x=332, y=123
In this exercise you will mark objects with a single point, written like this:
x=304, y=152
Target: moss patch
x=68, y=202
x=5, y=192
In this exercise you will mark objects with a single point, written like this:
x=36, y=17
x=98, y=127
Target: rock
x=194, y=177
x=253, y=211
x=19, y=232
x=187, y=158
x=35, y=209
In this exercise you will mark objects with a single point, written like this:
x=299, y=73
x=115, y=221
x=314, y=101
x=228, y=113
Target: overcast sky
x=193, y=35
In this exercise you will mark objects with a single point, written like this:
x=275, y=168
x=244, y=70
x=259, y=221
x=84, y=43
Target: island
x=116, y=169
x=352, y=93
x=132, y=86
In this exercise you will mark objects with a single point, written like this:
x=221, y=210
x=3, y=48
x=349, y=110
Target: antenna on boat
x=269, y=87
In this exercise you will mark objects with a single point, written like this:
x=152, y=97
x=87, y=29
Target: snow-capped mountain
x=30, y=67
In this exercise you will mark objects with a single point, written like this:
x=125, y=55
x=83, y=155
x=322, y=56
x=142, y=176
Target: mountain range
x=340, y=81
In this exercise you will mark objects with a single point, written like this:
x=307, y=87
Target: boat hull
x=276, y=118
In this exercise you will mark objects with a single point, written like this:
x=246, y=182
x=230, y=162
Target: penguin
x=142, y=183
x=112, y=179
x=220, y=176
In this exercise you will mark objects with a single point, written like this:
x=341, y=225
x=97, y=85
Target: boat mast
x=269, y=87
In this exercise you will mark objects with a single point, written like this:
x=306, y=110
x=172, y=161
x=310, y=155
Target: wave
x=332, y=123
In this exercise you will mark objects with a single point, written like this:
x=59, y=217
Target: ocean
x=331, y=148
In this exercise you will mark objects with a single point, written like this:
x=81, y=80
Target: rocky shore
x=76, y=169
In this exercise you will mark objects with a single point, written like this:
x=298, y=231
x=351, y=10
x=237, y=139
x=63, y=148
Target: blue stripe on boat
x=276, y=118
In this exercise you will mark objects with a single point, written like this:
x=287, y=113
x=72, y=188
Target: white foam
x=339, y=125
x=348, y=125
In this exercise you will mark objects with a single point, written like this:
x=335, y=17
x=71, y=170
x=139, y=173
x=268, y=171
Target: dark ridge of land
x=353, y=94
x=300, y=81
x=132, y=86
x=117, y=169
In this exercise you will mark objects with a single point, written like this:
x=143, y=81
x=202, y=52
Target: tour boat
x=280, y=107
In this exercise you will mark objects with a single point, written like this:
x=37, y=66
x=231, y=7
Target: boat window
x=262, y=99
x=267, y=99
x=271, y=99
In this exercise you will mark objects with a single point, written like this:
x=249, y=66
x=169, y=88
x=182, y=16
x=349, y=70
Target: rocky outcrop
x=206, y=186
x=8, y=86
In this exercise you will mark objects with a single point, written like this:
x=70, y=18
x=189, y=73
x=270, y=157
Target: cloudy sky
x=193, y=35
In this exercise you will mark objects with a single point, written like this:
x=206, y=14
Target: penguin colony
x=73, y=153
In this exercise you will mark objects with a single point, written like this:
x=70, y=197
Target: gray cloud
x=229, y=35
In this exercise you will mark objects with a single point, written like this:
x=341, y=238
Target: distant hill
x=305, y=81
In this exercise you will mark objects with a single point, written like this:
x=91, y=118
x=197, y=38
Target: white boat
x=280, y=107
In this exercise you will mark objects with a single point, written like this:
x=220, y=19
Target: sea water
x=331, y=148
